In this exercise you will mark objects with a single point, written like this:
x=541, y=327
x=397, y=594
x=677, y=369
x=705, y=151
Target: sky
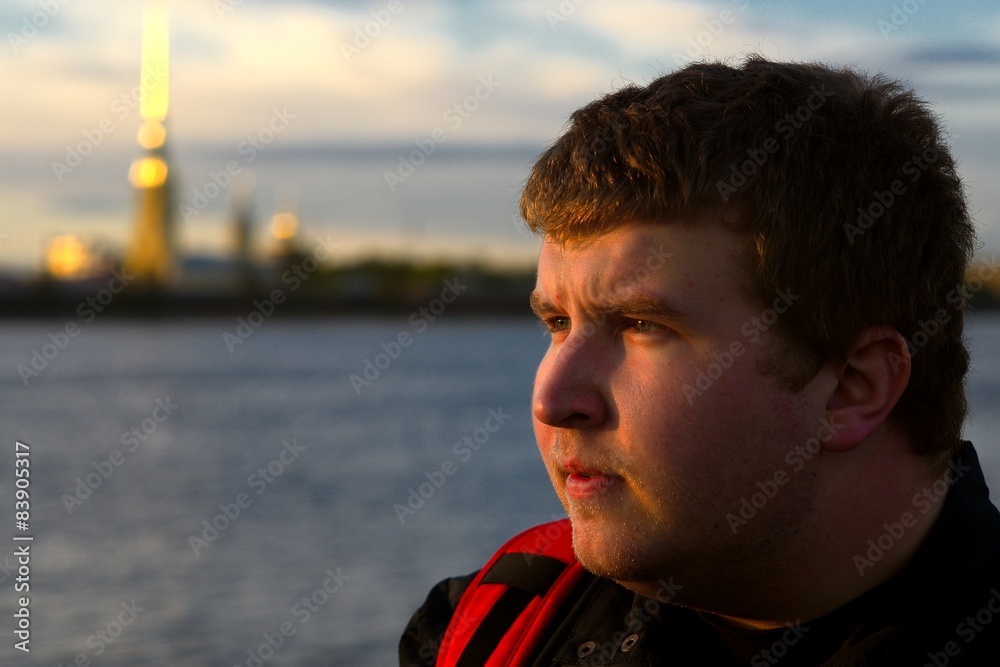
x=409, y=127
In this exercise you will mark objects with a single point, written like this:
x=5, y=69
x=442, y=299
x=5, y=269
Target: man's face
x=653, y=409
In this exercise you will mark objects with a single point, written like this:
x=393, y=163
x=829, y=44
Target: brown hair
x=844, y=188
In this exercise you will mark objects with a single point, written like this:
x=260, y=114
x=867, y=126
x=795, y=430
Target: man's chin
x=613, y=549
x=603, y=547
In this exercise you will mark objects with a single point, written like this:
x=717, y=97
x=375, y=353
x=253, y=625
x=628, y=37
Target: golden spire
x=154, y=89
x=154, y=92
x=150, y=256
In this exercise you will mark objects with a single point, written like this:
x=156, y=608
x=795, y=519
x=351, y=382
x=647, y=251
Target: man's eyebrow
x=635, y=304
x=643, y=304
x=540, y=304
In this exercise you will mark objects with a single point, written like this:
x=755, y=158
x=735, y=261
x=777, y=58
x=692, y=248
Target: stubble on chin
x=614, y=536
x=617, y=548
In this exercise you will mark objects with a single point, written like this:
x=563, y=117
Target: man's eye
x=646, y=326
x=558, y=323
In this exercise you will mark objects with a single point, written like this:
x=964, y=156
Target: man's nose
x=569, y=385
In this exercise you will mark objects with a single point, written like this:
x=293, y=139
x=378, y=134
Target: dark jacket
x=942, y=610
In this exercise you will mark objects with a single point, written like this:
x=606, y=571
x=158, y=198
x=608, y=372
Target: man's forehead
x=622, y=240
x=607, y=281
x=653, y=264
x=620, y=251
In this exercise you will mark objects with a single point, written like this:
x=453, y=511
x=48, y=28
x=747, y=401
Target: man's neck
x=876, y=510
x=868, y=512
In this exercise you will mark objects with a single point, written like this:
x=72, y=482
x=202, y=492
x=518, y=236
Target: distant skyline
x=410, y=126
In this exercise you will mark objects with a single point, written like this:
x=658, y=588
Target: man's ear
x=870, y=380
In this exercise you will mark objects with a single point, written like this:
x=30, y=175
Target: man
x=752, y=401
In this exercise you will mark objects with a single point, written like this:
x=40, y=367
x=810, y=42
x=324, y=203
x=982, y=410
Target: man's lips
x=575, y=468
x=583, y=481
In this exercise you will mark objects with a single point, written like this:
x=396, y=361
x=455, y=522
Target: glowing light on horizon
x=284, y=225
x=67, y=258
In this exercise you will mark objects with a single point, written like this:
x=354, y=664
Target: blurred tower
x=241, y=204
x=150, y=257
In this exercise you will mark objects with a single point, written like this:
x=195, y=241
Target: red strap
x=517, y=643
